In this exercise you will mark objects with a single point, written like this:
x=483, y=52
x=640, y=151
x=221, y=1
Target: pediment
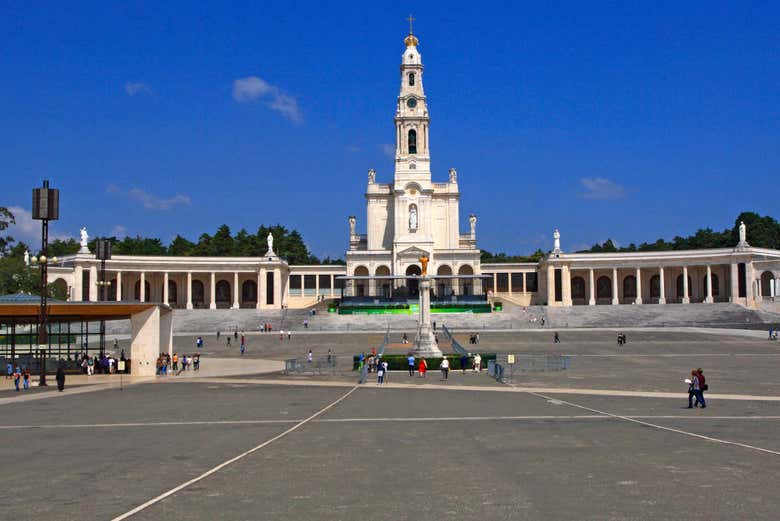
x=413, y=252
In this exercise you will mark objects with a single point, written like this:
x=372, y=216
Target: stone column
x=525, y=279
x=750, y=284
x=686, y=297
x=591, y=288
x=550, y=285
x=303, y=286
x=118, y=286
x=509, y=282
x=615, y=297
x=709, y=298
x=165, y=288
x=495, y=283
x=317, y=286
x=565, y=286
x=278, y=297
x=260, y=275
x=212, y=292
x=93, y=283
x=236, y=301
x=261, y=288
x=142, y=286
x=332, y=286
x=425, y=340
x=189, y=290
x=734, y=295
x=638, y=286
x=662, y=288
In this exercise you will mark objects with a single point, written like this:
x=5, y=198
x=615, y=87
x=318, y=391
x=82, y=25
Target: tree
x=6, y=219
x=222, y=242
x=181, y=247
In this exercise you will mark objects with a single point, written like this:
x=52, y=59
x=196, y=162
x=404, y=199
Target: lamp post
x=45, y=208
x=102, y=253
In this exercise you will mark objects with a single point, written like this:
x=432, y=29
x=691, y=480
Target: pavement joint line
x=381, y=420
x=614, y=393
x=224, y=464
x=662, y=427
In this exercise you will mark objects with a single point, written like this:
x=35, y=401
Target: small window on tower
x=411, y=79
x=412, y=141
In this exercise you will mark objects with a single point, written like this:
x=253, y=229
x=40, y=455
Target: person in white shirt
x=445, y=368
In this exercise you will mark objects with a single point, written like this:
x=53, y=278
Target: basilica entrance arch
x=361, y=286
x=222, y=294
x=383, y=285
x=578, y=290
x=466, y=285
x=444, y=286
x=249, y=293
x=198, y=294
x=413, y=285
x=604, y=290
x=768, y=288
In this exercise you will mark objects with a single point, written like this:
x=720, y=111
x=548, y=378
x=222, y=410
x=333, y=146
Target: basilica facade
x=412, y=225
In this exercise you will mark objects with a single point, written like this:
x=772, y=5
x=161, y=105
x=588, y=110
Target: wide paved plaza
x=610, y=438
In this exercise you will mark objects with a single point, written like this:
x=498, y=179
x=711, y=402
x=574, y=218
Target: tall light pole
x=103, y=253
x=45, y=208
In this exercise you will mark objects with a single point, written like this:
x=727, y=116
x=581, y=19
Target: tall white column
x=118, y=286
x=278, y=297
x=592, y=288
x=662, y=287
x=565, y=286
x=638, y=286
x=750, y=284
x=259, y=281
x=165, y=288
x=332, y=286
x=734, y=294
x=550, y=285
x=142, y=286
x=236, y=291
x=317, y=285
x=509, y=282
x=189, y=290
x=212, y=292
x=709, y=298
x=93, y=283
x=615, y=299
x=686, y=296
x=262, y=290
x=303, y=286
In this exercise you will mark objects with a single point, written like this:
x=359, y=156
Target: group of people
x=166, y=361
x=103, y=364
x=474, y=338
x=23, y=376
x=697, y=384
x=621, y=339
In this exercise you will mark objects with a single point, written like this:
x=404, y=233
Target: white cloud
x=151, y=201
x=137, y=87
x=252, y=88
x=388, y=149
x=601, y=188
x=28, y=230
x=118, y=231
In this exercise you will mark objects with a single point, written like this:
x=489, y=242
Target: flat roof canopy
x=27, y=312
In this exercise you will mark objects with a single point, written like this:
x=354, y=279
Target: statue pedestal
x=425, y=341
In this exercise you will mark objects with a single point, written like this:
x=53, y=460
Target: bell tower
x=412, y=155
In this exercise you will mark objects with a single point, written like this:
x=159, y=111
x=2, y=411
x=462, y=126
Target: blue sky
x=602, y=119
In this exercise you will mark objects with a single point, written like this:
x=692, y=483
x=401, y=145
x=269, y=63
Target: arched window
x=629, y=287
x=655, y=286
x=411, y=79
x=198, y=293
x=412, y=141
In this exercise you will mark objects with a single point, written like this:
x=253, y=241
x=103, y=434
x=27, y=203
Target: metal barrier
x=318, y=366
x=504, y=372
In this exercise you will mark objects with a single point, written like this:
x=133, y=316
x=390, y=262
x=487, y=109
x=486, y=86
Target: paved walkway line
x=399, y=419
x=662, y=427
x=495, y=389
x=219, y=467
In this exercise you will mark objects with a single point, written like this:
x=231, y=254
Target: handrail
x=455, y=344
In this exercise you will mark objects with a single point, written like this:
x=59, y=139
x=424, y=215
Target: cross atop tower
x=411, y=19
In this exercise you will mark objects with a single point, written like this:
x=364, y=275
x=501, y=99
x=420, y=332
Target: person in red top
x=422, y=367
x=702, y=383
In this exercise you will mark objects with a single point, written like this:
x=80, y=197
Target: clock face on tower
x=411, y=103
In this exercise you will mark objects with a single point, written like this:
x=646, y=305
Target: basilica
x=412, y=226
